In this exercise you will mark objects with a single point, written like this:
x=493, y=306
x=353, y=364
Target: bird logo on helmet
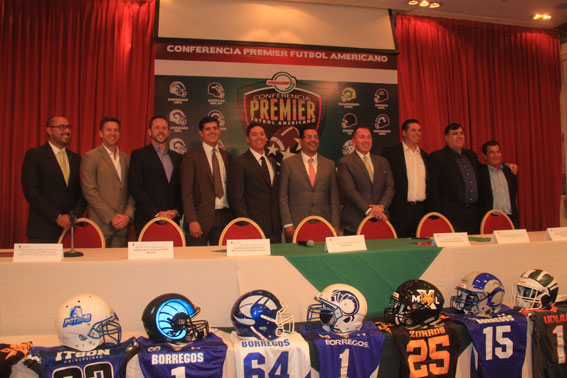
x=168, y=318
x=415, y=303
x=85, y=321
x=260, y=314
x=535, y=289
x=340, y=309
x=478, y=294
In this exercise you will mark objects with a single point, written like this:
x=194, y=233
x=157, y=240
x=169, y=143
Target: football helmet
x=415, y=303
x=478, y=294
x=169, y=319
x=260, y=314
x=341, y=309
x=86, y=321
x=536, y=289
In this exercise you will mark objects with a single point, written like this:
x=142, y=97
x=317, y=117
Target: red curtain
x=83, y=59
x=500, y=82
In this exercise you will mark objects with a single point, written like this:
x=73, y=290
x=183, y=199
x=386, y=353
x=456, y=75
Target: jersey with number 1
x=106, y=361
x=549, y=339
x=356, y=355
x=286, y=356
x=499, y=343
x=203, y=358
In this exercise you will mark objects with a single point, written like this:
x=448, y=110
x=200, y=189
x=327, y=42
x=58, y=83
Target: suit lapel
x=300, y=167
x=52, y=160
x=157, y=162
x=402, y=160
x=258, y=168
x=360, y=164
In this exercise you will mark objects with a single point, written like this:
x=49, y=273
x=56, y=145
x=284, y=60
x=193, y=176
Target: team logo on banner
x=217, y=114
x=178, y=145
x=284, y=107
x=381, y=98
x=348, y=123
x=348, y=147
x=177, y=120
x=179, y=91
x=216, y=91
x=348, y=95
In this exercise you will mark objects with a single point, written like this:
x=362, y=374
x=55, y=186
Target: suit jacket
x=47, y=194
x=105, y=193
x=446, y=189
x=197, y=187
x=359, y=191
x=397, y=160
x=251, y=194
x=485, y=191
x=298, y=199
x=148, y=185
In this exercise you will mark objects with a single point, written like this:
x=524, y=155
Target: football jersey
x=430, y=351
x=288, y=356
x=203, y=358
x=106, y=361
x=356, y=355
x=548, y=343
x=10, y=354
x=499, y=343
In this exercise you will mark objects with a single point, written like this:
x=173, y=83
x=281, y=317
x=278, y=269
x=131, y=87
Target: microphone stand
x=72, y=252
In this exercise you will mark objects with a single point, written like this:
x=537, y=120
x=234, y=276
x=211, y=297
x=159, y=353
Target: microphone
x=308, y=243
x=72, y=252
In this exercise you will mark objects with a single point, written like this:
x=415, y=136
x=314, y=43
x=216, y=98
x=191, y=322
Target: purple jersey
x=203, y=358
x=499, y=344
x=357, y=355
x=106, y=361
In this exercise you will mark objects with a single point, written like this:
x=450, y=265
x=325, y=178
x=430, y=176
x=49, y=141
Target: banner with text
x=284, y=89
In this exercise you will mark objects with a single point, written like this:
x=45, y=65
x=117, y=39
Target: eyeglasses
x=61, y=127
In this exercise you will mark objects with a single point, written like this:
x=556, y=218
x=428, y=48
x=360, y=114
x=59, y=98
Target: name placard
x=451, y=239
x=510, y=236
x=150, y=250
x=350, y=243
x=49, y=252
x=248, y=247
x=556, y=233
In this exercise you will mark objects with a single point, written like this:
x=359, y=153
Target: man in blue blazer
x=50, y=181
x=153, y=177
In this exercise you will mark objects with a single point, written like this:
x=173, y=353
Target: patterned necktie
x=368, y=167
x=312, y=173
x=265, y=169
x=219, y=192
x=64, y=167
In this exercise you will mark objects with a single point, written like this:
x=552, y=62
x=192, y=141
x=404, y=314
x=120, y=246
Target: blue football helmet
x=260, y=314
x=341, y=309
x=169, y=319
x=478, y=294
x=85, y=321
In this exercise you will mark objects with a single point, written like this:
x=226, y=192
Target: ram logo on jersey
x=76, y=317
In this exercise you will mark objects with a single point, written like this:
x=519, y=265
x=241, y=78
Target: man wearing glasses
x=51, y=185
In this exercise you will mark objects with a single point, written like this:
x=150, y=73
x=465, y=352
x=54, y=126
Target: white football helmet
x=478, y=294
x=536, y=289
x=85, y=321
x=341, y=309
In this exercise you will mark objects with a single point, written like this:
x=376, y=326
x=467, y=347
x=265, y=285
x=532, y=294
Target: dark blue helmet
x=260, y=314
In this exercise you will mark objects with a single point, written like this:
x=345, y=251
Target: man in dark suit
x=366, y=182
x=204, y=187
x=409, y=168
x=308, y=186
x=498, y=182
x=254, y=185
x=453, y=188
x=153, y=177
x=50, y=181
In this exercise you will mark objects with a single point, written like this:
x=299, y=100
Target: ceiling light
x=413, y=2
x=424, y=3
x=434, y=5
x=542, y=16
